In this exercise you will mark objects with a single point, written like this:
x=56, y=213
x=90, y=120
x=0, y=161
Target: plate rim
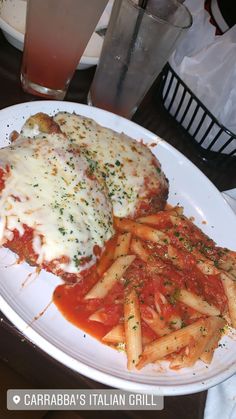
x=120, y=383
x=69, y=361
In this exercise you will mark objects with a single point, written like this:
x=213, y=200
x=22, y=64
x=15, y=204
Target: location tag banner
x=82, y=400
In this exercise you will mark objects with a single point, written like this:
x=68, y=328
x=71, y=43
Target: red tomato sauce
x=149, y=280
x=70, y=301
x=3, y=176
x=23, y=247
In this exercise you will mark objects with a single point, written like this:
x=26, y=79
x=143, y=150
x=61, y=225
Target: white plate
x=66, y=343
x=12, y=23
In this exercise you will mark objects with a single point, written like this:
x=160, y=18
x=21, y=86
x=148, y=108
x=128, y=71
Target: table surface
x=29, y=361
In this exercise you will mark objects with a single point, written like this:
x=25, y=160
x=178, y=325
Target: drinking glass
x=57, y=33
x=137, y=45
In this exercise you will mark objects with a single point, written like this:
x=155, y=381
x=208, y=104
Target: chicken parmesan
x=133, y=175
x=60, y=190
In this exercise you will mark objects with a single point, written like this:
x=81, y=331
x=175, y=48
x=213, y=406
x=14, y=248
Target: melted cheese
x=30, y=131
x=125, y=164
x=50, y=189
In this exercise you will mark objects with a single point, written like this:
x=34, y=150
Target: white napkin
x=206, y=64
x=230, y=197
x=221, y=399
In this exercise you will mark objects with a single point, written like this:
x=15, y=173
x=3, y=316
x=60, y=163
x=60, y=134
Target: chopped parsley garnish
x=174, y=297
x=71, y=218
x=62, y=230
x=76, y=261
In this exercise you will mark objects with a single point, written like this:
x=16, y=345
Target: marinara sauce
x=152, y=280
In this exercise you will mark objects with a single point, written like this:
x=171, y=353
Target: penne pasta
x=208, y=258
x=154, y=321
x=185, y=224
x=230, y=291
x=159, y=301
x=207, y=267
x=111, y=276
x=107, y=257
x=168, y=304
x=197, y=303
x=122, y=245
x=198, y=346
x=177, y=257
x=213, y=340
x=97, y=316
x=171, y=343
x=228, y=263
x=160, y=216
x=175, y=322
x=116, y=335
x=141, y=230
x=137, y=248
x=176, y=360
x=133, y=335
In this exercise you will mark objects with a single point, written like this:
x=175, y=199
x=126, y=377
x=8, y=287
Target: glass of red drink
x=57, y=33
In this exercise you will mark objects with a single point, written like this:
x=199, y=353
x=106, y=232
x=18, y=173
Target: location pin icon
x=16, y=399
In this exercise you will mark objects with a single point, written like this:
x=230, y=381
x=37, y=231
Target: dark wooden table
x=20, y=354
